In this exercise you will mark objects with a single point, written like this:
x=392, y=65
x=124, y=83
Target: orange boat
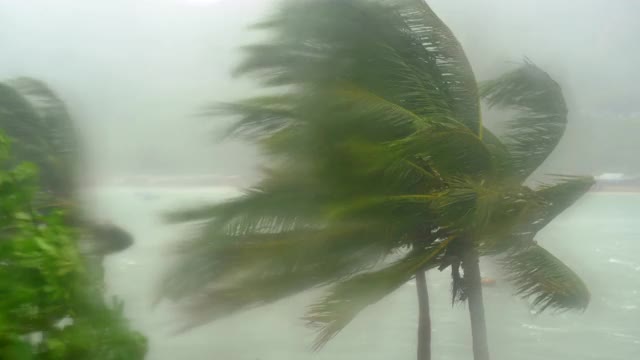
x=488, y=281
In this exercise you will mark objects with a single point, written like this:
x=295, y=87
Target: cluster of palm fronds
x=379, y=168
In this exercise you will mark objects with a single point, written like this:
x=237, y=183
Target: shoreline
x=611, y=192
x=189, y=187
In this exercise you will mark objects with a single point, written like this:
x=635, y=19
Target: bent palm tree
x=381, y=170
x=38, y=122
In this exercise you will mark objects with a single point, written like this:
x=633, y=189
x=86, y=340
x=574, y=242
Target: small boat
x=488, y=281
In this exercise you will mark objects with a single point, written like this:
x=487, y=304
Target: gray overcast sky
x=135, y=71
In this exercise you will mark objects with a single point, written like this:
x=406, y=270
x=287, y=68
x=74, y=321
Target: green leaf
x=44, y=244
x=22, y=216
x=16, y=349
x=547, y=281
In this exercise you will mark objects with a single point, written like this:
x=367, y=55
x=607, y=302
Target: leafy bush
x=51, y=297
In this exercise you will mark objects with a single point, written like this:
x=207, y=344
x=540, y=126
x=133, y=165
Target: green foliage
x=376, y=151
x=45, y=282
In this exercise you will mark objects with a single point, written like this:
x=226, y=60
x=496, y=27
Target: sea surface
x=599, y=237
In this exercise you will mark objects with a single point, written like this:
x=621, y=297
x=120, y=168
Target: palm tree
x=43, y=133
x=380, y=170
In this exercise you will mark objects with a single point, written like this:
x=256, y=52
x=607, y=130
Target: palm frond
x=451, y=150
x=396, y=170
x=520, y=213
x=368, y=103
x=223, y=274
x=501, y=158
x=346, y=299
x=554, y=199
x=288, y=209
x=398, y=50
x=285, y=193
x=565, y=192
x=259, y=116
x=454, y=72
x=557, y=198
x=547, y=281
x=536, y=273
x=541, y=119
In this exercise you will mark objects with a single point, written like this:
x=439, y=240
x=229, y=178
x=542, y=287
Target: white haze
x=135, y=72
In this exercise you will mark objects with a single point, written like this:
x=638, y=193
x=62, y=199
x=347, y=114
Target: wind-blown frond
x=454, y=72
x=564, y=193
x=451, y=150
x=535, y=272
x=547, y=281
x=398, y=50
x=227, y=273
x=259, y=116
x=284, y=221
x=552, y=200
x=541, y=114
x=254, y=204
x=346, y=299
x=501, y=158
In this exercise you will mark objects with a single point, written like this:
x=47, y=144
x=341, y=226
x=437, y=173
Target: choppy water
x=599, y=237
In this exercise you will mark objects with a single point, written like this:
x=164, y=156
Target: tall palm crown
x=380, y=167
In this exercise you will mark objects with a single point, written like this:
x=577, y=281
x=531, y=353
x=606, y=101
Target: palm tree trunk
x=473, y=284
x=424, y=318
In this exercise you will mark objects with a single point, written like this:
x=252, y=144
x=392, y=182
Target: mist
x=136, y=73
x=137, y=76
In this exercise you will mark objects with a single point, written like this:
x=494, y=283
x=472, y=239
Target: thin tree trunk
x=473, y=284
x=424, y=318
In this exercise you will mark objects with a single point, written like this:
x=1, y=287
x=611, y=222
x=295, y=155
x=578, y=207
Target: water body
x=599, y=237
